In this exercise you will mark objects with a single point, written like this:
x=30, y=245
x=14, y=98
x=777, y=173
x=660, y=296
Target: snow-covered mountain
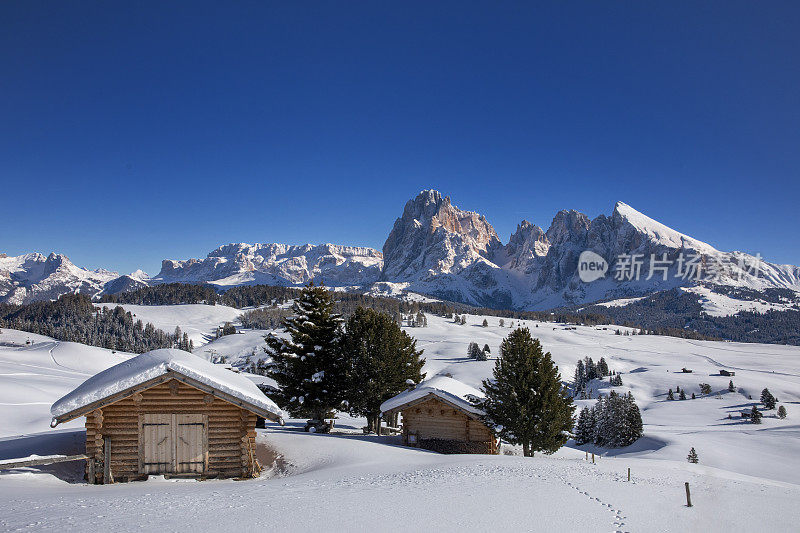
x=437, y=249
x=277, y=264
x=440, y=250
x=31, y=277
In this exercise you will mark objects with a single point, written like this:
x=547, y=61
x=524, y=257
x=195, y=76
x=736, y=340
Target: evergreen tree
x=502, y=323
x=755, y=415
x=768, y=400
x=485, y=323
x=705, y=388
x=486, y=348
x=781, y=412
x=525, y=402
x=670, y=395
x=481, y=355
x=682, y=395
x=602, y=367
x=308, y=367
x=584, y=427
x=693, y=396
x=731, y=388
x=472, y=350
x=380, y=358
x=580, y=376
x=692, y=457
x=463, y=319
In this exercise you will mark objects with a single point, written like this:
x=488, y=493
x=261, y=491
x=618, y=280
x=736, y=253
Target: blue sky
x=133, y=133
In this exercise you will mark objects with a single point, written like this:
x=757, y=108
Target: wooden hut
x=438, y=415
x=167, y=412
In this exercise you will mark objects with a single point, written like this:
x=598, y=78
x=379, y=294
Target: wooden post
x=107, y=461
x=378, y=426
x=629, y=473
x=91, y=476
x=688, y=495
x=592, y=457
x=587, y=455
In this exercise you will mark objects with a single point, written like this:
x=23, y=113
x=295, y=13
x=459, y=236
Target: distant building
x=437, y=415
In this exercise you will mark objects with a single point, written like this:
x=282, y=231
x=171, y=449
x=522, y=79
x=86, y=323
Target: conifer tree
x=380, y=358
x=705, y=388
x=755, y=415
x=602, y=367
x=525, y=401
x=682, y=395
x=781, y=412
x=692, y=457
x=670, y=396
x=485, y=323
x=767, y=399
x=584, y=427
x=731, y=388
x=502, y=323
x=486, y=348
x=308, y=367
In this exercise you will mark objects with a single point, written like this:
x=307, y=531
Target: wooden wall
x=434, y=419
x=231, y=431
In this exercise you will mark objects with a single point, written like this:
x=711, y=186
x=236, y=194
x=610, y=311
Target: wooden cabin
x=438, y=415
x=168, y=412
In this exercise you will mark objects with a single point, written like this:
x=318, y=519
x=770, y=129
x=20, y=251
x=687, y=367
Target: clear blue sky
x=133, y=133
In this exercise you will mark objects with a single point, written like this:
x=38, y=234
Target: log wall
x=231, y=431
x=434, y=419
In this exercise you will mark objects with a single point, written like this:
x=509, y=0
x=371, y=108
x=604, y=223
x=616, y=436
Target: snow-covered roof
x=151, y=365
x=448, y=389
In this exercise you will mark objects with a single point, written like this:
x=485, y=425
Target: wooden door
x=157, y=444
x=191, y=443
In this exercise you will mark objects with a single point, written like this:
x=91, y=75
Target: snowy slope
x=339, y=480
x=197, y=320
x=33, y=376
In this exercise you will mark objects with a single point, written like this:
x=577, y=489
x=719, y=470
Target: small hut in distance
x=167, y=412
x=438, y=415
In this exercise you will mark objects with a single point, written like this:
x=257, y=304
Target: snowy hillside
x=199, y=321
x=741, y=465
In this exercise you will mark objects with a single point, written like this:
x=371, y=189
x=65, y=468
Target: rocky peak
x=568, y=226
x=434, y=236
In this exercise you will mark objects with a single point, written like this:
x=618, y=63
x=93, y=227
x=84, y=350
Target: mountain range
x=439, y=250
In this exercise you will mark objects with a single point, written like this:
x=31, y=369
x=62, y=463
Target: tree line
x=74, y=318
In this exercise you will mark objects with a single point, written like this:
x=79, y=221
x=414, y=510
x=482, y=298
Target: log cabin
x=438, y=415
x=167, y=412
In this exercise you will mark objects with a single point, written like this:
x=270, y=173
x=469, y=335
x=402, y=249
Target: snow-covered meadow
x=347, y=481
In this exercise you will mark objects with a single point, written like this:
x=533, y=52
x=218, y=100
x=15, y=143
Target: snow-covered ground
x=197, y=320
x=747, y=477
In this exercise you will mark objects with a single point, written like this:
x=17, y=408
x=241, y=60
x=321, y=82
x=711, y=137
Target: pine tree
x=502, y=323
x=380, y=359
x=485, y=323
x=308, y=367
x=682, y=395
x=486, y=348
x=705, y=388
x=463, y=319
x=584, y=427
x=525, y=401
x=602, y=367
x=731, y=388
x=472, y=350
x=781, y=412
x=670, y=395
x=580, y=376
x=692, y=457
x=755, y=415
x=481, y=355
x=694, y=397
x=768, y=399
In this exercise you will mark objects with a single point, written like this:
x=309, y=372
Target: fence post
x=688, y=495
x=629, y=473
x=592, y=457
